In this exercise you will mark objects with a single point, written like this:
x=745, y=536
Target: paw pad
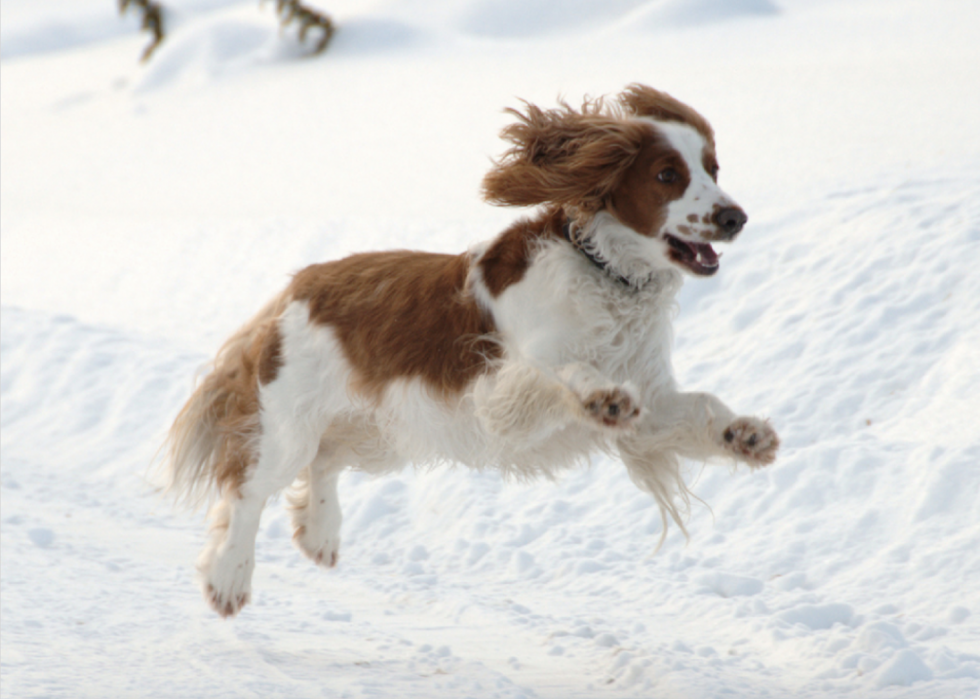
x=752, y=440
x=613, y=407
x=226, y=605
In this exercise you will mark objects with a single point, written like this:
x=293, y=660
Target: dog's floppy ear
x=563, y=156
x=643, y=101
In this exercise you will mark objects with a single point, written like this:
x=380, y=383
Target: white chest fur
x=565, y=310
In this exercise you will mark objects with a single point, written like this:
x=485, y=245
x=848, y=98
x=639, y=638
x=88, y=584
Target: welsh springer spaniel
x=526, y=354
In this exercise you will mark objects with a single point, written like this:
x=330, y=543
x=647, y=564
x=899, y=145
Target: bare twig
x=152, y=21
x=293, y=11
x=289, y=11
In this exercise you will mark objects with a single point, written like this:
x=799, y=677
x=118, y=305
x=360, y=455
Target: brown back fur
x=401, y=314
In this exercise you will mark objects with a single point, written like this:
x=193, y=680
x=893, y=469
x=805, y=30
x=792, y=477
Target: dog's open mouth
x=700, y=258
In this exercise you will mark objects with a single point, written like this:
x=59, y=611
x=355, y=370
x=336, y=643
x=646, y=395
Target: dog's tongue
x=706, y=254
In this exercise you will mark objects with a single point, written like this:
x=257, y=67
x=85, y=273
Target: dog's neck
x=601, y=264
x=630, y=260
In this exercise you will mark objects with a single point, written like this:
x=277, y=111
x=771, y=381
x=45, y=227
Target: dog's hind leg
x=353, y=441
x=226, y=563
x=316, y=508
x=283, y=448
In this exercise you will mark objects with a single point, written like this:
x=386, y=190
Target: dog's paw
x=226, y=603
x=612, y=407
x=752, y=440
x=228, y=588
x=322, y=551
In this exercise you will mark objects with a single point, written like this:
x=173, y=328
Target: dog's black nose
x=730, y=220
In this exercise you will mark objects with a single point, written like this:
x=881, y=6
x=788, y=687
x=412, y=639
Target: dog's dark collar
x=566, y=231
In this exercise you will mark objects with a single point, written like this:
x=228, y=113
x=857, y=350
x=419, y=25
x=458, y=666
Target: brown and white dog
x=525, y=354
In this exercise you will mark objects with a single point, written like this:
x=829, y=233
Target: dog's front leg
x=605, y=403
x=521, y=402
x=700, y=426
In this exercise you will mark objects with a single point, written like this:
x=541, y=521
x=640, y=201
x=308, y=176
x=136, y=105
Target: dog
x=526, y=354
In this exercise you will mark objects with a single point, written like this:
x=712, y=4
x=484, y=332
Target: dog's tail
x=213, y=439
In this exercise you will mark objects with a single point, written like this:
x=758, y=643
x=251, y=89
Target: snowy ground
x=147, y=211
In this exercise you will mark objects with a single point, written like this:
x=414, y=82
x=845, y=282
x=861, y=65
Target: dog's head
x=644, y=158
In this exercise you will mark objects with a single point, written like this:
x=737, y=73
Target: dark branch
x=152, y=21
x=293, y=11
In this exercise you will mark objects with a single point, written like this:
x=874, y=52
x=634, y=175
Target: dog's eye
x=714, y=172
x=668, y=175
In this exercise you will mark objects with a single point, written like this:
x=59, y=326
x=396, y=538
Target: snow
x=147, y=210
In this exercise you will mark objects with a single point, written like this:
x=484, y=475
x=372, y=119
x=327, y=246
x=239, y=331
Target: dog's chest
x=564, y=311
